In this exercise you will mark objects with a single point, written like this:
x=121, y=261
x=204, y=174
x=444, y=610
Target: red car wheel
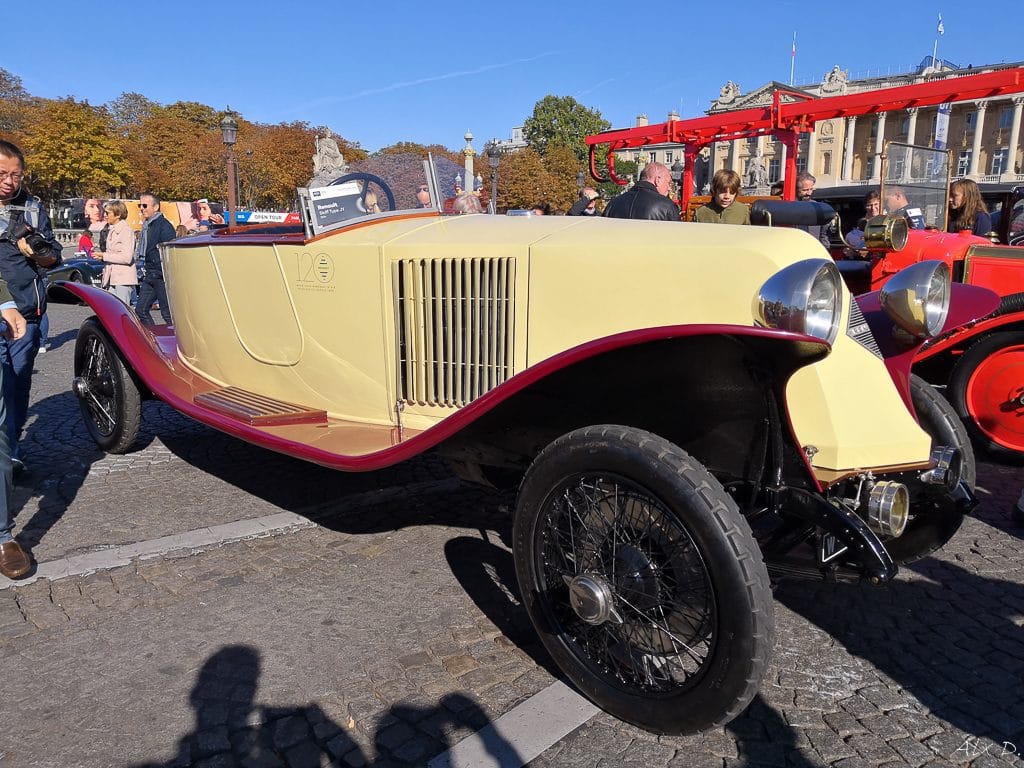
x=987, y=387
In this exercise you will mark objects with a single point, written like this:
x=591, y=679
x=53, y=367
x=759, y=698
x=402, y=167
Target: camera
x=36, y=242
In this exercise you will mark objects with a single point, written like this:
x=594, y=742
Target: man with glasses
x=27, y=249
x=155, y=230
x=805, y=184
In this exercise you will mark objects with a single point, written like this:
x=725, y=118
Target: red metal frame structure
x=787, y=120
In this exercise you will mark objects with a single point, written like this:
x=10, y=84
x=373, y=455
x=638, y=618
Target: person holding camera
x=27, y=249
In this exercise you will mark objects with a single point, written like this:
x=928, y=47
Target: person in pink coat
x=119, y=274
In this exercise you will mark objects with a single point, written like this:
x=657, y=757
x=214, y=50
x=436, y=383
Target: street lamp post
x=229, y=133
x=493, y=158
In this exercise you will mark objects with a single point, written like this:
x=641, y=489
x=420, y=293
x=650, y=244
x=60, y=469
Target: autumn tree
x=129, y=110
x=562, y=121
x=412, y=148
x=14, y=103
x=562, y=168
x=522, y=179
x=70, y=150
x=273, y=160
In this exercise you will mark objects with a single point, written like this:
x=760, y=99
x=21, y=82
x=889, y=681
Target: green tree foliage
x=623, y=169
x=70, y=150
x=561, y=121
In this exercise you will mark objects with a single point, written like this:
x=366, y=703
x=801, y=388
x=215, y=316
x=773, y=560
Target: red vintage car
x=981, y=364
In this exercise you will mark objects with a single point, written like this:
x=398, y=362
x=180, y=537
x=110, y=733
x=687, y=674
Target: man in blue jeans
x=14, y=561
x=27, y=249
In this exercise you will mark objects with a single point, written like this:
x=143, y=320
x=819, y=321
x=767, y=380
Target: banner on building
x=942, y=125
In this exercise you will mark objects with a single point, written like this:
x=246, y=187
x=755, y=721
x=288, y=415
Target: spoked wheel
x=643, y=579
x=987, y=390
x=109, y=399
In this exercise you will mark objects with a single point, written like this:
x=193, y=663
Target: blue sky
x=378, y=73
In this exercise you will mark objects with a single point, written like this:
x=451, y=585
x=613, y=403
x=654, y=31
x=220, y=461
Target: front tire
x=108, y=396
x=643, y=579
x=933, y=523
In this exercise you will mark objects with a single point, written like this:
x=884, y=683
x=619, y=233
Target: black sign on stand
x=332, y=205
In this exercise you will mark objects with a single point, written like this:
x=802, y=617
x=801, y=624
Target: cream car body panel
x=315, y=323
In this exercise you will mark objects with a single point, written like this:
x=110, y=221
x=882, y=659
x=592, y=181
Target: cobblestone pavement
x=392, y=628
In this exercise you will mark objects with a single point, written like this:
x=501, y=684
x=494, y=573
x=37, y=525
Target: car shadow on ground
x=232, y=729
x=950, y=638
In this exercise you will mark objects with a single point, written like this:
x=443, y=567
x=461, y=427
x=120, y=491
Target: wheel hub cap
x=591, y=598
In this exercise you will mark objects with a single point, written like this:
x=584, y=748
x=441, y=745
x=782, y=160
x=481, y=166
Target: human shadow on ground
x=951, y=640
x=232, y=729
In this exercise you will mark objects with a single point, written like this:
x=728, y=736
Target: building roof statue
x=727, y=95
x=834, y=82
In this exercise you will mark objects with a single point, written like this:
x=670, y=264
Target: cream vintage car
x=686, y=408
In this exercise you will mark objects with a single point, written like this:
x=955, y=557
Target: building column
x=979, y=126
x=812, y=147
x=734, y=156
x=876, y=163
x=1018, y=107
x=851, y=129
x=912, y=127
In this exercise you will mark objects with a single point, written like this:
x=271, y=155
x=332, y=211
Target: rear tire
x=643, y=579
x=110, y=401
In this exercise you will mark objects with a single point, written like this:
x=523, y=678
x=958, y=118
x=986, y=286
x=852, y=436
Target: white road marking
x=522, y=733
x=116, y=557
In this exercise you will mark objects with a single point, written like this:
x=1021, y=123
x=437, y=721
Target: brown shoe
x=14, y=561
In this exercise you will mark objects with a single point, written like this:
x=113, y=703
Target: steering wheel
x=367, y=179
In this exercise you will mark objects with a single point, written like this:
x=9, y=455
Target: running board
x=257, y=410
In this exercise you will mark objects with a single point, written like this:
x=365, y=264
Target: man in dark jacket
x=27, y=249
x=155, y=230
x=648, y=199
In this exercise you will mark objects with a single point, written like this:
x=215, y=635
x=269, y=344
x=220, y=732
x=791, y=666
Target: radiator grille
x=859, y=330
x=455, y=326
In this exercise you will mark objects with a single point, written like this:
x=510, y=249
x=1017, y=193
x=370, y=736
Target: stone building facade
x=984, y=136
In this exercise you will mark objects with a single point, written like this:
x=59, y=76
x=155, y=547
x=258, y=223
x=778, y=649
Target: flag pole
x=792, y=59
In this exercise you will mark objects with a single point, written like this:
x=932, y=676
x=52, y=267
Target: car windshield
x=380, y=186
x=916, y=179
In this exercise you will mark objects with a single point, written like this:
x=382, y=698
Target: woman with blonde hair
x=119, y=274
x=967, y=210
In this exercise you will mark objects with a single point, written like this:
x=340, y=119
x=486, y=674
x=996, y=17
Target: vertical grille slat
x=454, y=325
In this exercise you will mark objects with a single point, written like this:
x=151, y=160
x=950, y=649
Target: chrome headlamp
x=917, y=298
x=806, y=297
